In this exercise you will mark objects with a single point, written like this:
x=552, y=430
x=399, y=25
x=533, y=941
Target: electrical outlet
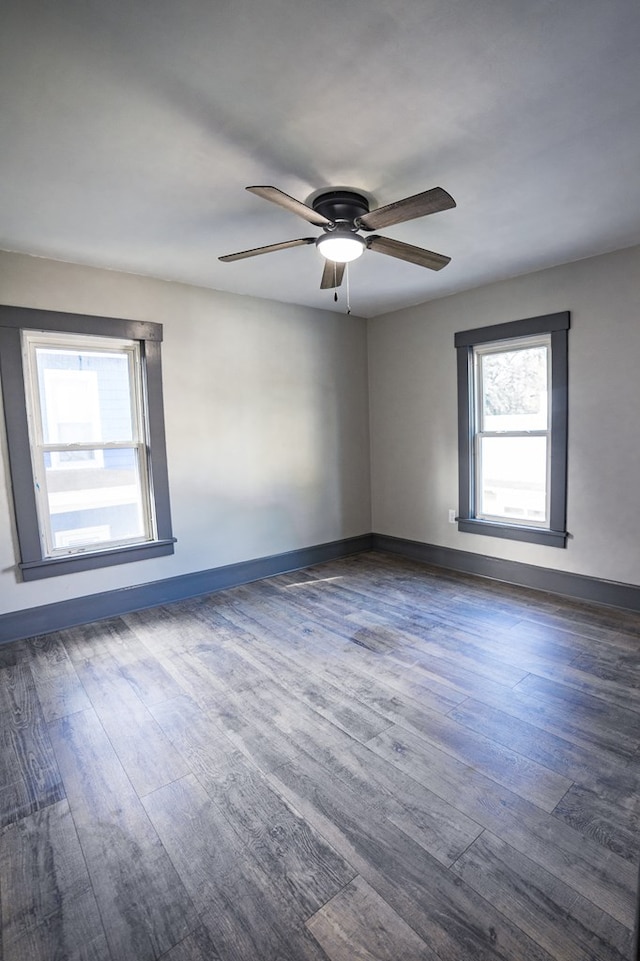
x=452, y=517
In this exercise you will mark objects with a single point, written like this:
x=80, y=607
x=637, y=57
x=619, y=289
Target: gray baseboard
x=82, y=610
x=612, y=593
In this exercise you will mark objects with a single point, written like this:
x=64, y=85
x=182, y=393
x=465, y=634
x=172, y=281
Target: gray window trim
x=557, y=325
x=12, y=321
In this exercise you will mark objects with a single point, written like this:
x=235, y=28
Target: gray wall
x=412, y=388
x=266, y=417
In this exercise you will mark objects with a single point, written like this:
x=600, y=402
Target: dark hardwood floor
x=370, y=760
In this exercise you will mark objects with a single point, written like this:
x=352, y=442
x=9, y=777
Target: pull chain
x=348, y=292
x=335, y=284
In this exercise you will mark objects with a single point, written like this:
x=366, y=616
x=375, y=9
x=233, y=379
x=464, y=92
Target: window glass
x=85, y=395
x=512, y=481
x=512, y=406
x=514, y=389
x=97, y=501
x=88, y=429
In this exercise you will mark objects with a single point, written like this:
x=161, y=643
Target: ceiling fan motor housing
x=342, y=213
x=341, y=207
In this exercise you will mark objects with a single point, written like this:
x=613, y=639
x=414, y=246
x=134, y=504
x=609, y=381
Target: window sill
x=532, y=535
x=93, y=560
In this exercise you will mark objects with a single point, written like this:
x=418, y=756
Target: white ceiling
x=129, y=129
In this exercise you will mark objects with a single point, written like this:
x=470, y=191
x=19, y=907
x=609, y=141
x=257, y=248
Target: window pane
x=94, y=501
x=85, y=395
x=513, y=479
x=514, y=389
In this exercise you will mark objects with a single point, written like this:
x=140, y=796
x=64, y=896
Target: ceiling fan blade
x=428, y=202
x=332, y=275
x=255, y=251
x=290, y=203
x=415, y=255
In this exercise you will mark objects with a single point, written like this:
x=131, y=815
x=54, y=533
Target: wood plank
x=317, y=596
x=451, y=918
x=326, y=699
x=138, y=662
x=143, y=904
x=613, y=827
x=246, y=914
x=600, y=770
x=197, y=946
x=110, y=636
x=285, y=846
x=406, y=614
x=564, y=646
x=240, y=717
x=554, y=642
x=567, y=690
x=291, y=626
x=29, y=776
x=432, y=823
x=48, y=906
x=146, y=755
x=578, y=617
x=294, y=728
x=599, y=720
x=446, y=671
x=618, y=665
x=573, y=724
x=297, y=634
x=9, y=654
x=231, y=663
x=599, y=875
x=496, y=648
x=393, y=674
x=169, y=629
x=607, y=676
x=570, y=927
x=60, y=691
x=358, y=923
x=195, y=680
x=150, y=680
x=475, y=652
x=515, y=771
x=16, y=682
x=376, y=693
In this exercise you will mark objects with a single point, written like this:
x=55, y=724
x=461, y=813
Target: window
x=512, y=426
x=83, y=407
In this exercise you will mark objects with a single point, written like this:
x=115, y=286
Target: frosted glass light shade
x=341, y=247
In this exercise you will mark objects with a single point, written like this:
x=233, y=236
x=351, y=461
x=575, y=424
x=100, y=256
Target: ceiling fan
x=342, y=214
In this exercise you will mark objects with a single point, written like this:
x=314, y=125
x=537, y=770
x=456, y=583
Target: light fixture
x=341, y=245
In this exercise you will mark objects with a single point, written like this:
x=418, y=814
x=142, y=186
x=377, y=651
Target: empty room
x=319, y=460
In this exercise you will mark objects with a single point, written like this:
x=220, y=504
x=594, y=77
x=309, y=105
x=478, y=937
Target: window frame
x=33, y=563
x=480, y=351
x=556, y=326
x=32, y=342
